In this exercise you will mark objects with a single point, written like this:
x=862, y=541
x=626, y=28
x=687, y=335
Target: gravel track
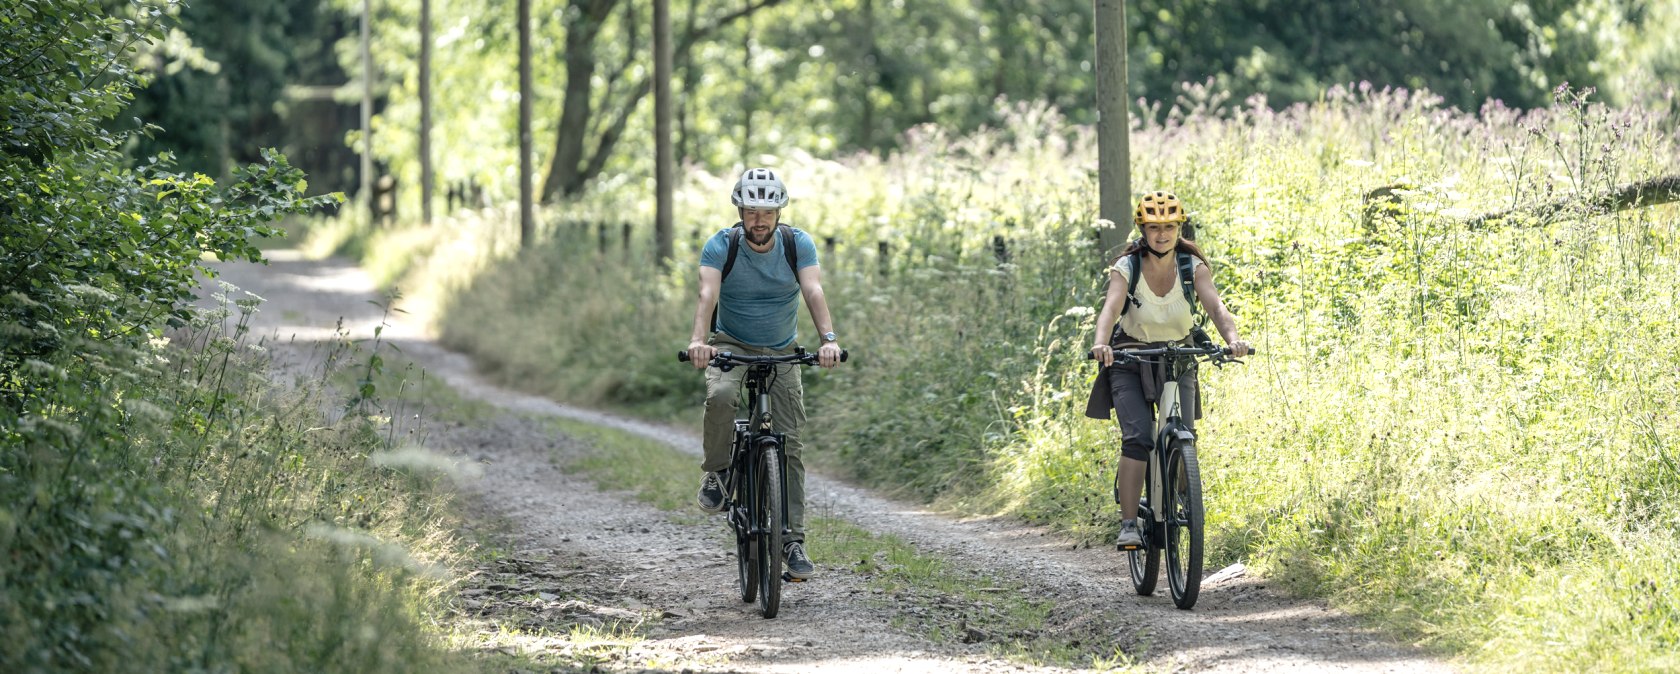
x=678, y=568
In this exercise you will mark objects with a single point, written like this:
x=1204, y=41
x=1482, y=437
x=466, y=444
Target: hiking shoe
x=798, y=565
x=1130, y=535
x=711, y=492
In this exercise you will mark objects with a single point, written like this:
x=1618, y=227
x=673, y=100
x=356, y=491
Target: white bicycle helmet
x=759, y=188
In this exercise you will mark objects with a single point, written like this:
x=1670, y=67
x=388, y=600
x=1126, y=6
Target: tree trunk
x=575, y=109
x=690, y=78
x=527, y=219
x=662, y=128
x=426, y=112
x=1114, y=168
x=366, y=183
x=866, y=36
x=747, y=100
x=564, y=177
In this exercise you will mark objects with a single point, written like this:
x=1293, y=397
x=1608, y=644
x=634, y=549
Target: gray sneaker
x=1131, y=537
x=798, y=565
x=711, y=492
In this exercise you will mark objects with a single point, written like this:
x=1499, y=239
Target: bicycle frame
x=752, y=430
x=1169, y=422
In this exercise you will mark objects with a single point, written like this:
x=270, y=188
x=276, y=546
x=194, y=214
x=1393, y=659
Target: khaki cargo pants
x=787, y=416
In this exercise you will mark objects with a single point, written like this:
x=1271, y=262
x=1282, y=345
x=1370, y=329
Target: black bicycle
x=1174, y=480
x=755, y=491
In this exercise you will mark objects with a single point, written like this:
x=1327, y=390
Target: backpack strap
x=1186, y=282
x=789, y=249
x=735, y=233
x=1131, y=285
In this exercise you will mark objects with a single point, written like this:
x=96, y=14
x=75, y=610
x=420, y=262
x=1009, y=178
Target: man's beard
x=756, y=240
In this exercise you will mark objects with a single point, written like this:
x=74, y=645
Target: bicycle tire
x=746, y=554
x=1146, y=563
x=1185, y=518
x=770, y=542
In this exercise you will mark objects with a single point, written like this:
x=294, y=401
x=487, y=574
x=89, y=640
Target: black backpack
x=735, y=234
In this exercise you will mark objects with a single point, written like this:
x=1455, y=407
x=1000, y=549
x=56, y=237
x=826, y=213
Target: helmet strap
x=1157, y=253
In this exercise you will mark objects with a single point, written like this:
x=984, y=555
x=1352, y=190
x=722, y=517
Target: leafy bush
x=161, y=509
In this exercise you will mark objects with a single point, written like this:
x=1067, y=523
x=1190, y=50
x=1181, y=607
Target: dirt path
x=632, y=559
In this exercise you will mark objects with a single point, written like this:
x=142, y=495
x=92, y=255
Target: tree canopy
x=760, y=77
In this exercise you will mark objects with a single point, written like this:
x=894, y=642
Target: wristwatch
x=828, y=336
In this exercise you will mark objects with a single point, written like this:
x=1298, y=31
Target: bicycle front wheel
x=746, y=553
x=770, y=542
x=1184, y=523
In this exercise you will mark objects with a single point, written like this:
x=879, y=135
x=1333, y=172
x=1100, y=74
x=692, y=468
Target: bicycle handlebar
x=1222, y=353
x=728, y=358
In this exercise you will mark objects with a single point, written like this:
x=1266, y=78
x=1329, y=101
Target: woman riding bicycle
x=1155, y=314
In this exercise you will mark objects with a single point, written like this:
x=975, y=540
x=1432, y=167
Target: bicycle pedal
x=1129, y=548
x=788, y=578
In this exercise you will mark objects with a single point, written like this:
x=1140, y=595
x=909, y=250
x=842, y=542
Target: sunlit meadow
x=1464, y=433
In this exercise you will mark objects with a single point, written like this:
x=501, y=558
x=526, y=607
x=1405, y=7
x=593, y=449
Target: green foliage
x=163, y=510
x=167, y=510
x=93, y=250
x=826, y=78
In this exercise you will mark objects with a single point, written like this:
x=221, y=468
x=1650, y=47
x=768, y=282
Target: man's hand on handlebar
x=828, y=355
x=700, y=353
x=1240, y=348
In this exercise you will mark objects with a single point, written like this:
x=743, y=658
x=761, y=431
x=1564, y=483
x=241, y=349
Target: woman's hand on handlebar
x=700, y=353
x=1239, y=348
x=1103, y=353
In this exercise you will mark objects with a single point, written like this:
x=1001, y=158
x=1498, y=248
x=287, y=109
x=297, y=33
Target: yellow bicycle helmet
x=1159, y=207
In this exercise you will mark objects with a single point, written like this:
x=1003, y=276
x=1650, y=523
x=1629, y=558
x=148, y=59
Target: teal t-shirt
x=759, y=301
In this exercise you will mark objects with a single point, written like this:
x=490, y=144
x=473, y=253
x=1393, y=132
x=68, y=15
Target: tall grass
x=169, y=509
x=1466, y=435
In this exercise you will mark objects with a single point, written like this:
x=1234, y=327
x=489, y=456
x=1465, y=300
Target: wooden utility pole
x=426, y=177
x=527, y=222
x=662, y=127
x=1114, y=155
x=366, y=186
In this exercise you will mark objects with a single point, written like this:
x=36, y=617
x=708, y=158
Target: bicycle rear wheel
x=770, y=542
x=1184, y=523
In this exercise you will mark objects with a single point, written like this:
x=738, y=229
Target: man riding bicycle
x=751, y=277
x=1152, y=311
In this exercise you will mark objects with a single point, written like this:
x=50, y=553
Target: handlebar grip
x=843, y=354
x=682, y=356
